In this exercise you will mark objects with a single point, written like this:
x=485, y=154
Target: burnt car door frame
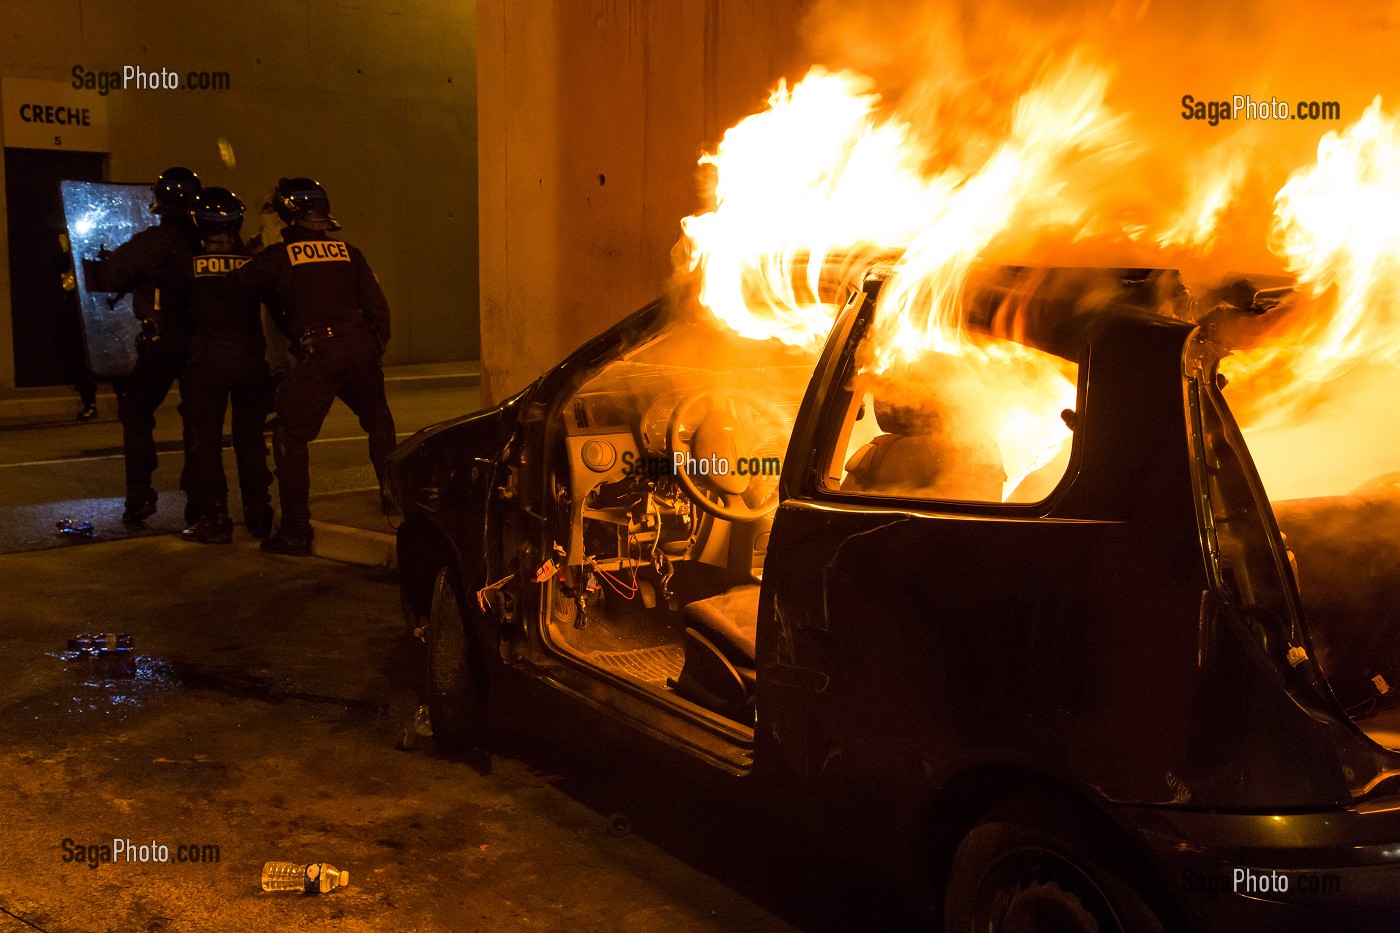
x=816, y=643
x=1100, y=671
x=697, y=735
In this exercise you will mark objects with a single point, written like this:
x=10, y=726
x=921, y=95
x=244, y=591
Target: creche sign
x=52, y=115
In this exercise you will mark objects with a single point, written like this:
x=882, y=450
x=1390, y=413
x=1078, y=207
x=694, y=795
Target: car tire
x=1039, y=865
x=456, y=695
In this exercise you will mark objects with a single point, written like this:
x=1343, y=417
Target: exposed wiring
x=625, y=590
x=656, y=535
x=1356, y=712
x=483, y=595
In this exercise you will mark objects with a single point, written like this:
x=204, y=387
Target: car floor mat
x=650, y=665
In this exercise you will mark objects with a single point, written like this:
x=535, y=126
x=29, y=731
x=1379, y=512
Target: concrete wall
x=376, y=99
x=592, y=114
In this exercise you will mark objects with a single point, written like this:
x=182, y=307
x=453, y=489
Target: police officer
x=330, y=305
x=153, y=266
x=226, y=363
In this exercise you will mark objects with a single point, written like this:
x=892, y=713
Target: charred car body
x=1091, y=701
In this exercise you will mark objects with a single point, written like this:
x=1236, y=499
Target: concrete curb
x=354, y=546
x=34, y=407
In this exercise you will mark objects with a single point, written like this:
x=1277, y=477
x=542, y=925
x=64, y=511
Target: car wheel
x=455, y=690
x=1034, y=866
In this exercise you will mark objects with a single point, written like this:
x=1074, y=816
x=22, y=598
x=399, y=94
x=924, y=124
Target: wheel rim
x=1036, y=890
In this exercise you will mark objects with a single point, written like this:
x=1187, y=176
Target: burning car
x=1051, y=660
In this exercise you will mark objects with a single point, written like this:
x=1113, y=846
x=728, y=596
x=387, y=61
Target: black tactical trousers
x=345, y=365
x=219, y=374
x=158, y=366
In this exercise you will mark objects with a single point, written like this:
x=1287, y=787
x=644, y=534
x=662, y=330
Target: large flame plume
x=816, y=174
x=1316, y=390
x=826, y=174
x=1337, y=230
x=832, y=177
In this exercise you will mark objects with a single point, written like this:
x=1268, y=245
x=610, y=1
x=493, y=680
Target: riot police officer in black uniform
x=153, y=266
x=330, y=305
x=226, y=363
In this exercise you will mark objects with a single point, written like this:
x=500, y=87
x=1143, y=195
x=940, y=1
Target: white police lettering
x=217, y=265
x=306, y=251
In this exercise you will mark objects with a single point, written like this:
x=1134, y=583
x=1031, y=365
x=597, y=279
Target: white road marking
x=162, y=453
x=453, y=376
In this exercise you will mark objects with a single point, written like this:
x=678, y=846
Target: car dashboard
x=624, y=503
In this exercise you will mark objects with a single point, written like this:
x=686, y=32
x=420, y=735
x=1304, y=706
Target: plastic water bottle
x=316, y=878
x=74, y=527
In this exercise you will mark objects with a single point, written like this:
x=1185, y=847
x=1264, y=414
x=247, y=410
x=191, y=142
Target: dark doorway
x=48, y=342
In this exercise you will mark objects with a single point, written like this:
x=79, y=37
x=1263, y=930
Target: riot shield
x=101, y=215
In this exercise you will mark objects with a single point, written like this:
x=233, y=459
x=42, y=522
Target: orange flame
x=1214, y=184
x=793, y=185
x=824, y=171
x=1337, y=226
x=1337, y=229
x=1313, y=390
x=831, y=178
x=920, y=308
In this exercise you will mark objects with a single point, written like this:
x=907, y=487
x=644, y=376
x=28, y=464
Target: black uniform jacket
x=154, y=266
x=311, y=281
x=223, y=313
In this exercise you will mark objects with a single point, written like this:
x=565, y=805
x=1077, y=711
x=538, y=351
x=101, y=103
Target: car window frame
x=839, y=360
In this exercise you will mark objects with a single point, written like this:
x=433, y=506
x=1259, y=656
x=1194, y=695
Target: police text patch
x=306, y=251
x=217, y=265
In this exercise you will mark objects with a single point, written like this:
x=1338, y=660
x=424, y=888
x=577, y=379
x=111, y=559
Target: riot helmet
x=303, y=202
x=217, y=210
x=174, y=191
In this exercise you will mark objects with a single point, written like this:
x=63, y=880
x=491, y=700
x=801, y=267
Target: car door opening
x=664, y=482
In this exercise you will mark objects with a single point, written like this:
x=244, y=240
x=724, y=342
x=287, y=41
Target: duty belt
x=334, y=330
x=309, y=335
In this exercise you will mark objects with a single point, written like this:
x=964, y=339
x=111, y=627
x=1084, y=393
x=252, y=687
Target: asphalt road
x=261, y=717
x=71, y=470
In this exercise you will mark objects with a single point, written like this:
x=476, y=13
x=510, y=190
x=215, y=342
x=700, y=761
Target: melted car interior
x=665, y=482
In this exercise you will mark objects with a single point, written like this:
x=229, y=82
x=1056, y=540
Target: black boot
x=290, y=539
x=213, y=527
x=257, y=517
x=140, y=504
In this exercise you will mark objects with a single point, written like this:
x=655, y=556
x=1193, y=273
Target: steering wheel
x=718, y=443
